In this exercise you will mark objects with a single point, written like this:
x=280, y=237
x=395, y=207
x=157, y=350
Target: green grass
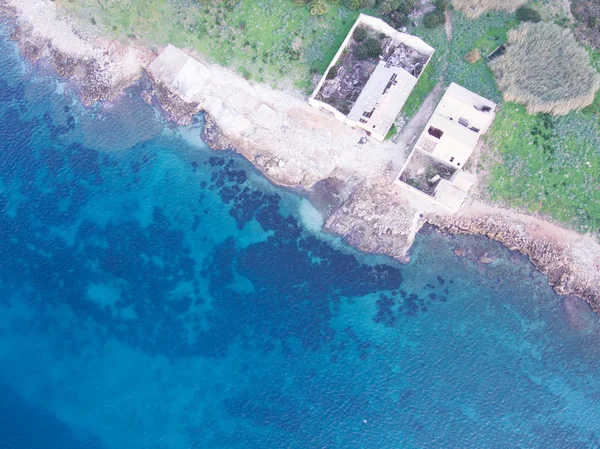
x=433, y=72
x=424, y=86
x=549, y=165
x=271, y=40
x=485, y=33
x=392, y=132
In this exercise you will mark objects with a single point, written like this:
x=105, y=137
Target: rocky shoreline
x=552, y=257
x=369, y=214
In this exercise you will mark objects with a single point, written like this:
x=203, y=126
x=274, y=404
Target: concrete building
x=375, y=104
x=455, y=126
x=435, y=165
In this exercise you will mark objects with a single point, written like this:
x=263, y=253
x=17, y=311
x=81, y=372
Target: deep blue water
x=157, y=294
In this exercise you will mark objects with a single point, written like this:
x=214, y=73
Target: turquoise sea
x=157, y=294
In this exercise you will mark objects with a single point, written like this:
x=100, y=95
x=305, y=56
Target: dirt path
x=413, y=128
x=448, y=24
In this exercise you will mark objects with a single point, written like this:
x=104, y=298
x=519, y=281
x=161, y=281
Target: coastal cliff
x=296, y=146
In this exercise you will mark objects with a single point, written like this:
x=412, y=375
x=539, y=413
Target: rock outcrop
x=99, y=68
x=572, y=266
x=377, y=220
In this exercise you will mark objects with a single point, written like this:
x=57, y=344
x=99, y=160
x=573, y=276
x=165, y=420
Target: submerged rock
x=556, y=256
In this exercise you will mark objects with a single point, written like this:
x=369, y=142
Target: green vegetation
x=360, y=34
x=525, y=14
x=426, y=83
x=549, y=165
x=546, y=69
x=370, y=48
x=484, y=34
x=276, y=41
x=436, y=17
x=540, y=163
x=317, y=7
x=475, y=8
x=392, y=132
x=332, y=73
x=436, y=37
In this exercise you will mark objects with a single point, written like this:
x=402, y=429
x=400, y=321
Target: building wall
x=458, y=142
x=378, y=25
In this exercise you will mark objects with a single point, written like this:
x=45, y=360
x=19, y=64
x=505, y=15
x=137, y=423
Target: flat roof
x=459, y=119
x=459, y=102
x=387, y=106
x=449, y=195
x=384, y=102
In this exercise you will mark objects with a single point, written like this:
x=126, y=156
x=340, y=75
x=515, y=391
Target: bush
x=369, y=49
x=525, y=14
x=332, y=73
x=360, y=34
x=388, y=7
x=354, y=4
x=473, y=56
x=474, y=8
x=317, y=7
x=545, y=69
x=434, y=18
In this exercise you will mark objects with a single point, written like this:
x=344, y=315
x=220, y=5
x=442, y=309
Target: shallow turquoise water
x=157, y=294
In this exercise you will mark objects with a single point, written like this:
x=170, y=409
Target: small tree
x=369, y=49
x=434, y=18
x=354, y=4
x=332, y=73
x=360, y=34
x=317, y=7
x=525, y=14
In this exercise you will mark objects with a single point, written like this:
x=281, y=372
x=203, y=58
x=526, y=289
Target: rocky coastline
x=557, y=259
x=367, y=213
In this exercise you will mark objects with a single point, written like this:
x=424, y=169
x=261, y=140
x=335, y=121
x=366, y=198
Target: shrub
x=317, y=7
x=360, y=34
x=474, y=8
x=473, y=56
x=388, y=6
x=525, y=14
x=332, y=73
x=369, y=49
x=545, y=69
x=434, y=18
x=354, y=4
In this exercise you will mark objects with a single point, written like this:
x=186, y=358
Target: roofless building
x=435, y=165
x=368, y=90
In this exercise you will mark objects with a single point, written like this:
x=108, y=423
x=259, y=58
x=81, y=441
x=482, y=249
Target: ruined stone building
x=370, y=93
x=435, y=165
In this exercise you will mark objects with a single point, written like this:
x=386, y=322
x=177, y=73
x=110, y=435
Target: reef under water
x=158, y=294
